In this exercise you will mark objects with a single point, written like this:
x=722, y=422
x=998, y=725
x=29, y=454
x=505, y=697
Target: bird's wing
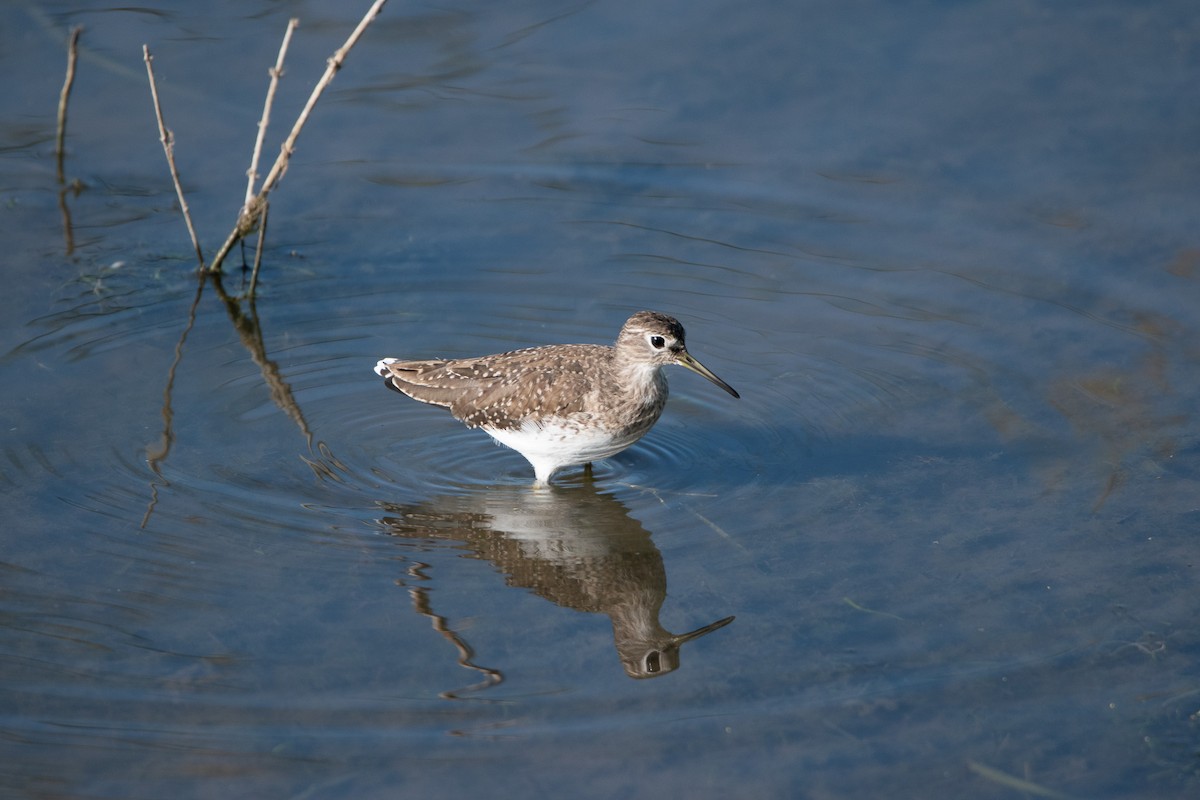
x=498, y=391
x=427, y=381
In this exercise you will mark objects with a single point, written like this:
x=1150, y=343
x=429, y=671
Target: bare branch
x=250, y=212
x=276, y=72
x=258, y=251
x=168, y=143
x=64, y=97
x=334, y=64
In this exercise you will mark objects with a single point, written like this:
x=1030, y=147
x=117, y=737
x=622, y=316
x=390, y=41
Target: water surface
x=947, y=254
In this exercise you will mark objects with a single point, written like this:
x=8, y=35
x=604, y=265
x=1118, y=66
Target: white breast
x=557, y=442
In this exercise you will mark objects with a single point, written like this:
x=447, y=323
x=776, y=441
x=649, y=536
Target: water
x=947, y=254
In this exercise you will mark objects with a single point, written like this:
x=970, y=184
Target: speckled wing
x=500, y=391
x=420, y=380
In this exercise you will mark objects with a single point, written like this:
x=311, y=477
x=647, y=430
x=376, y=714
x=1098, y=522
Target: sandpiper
x=560, y=405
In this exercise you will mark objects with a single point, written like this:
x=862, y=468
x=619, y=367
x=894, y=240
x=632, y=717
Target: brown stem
x=276, y=73
x=168, y=143
x=63, y=97
x=250, y=212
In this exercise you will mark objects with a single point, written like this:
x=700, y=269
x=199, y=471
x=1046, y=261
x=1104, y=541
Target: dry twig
x=168, y=143
x=258, y=250
x=60, y=148
x=276, y=73
x=64, y=97
x=252, y=210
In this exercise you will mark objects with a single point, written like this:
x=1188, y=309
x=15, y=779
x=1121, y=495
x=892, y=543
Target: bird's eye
x=657, y=342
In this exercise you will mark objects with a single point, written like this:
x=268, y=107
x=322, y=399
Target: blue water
x=947, y=254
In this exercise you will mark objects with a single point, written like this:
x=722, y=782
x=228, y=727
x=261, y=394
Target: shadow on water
x=578, y=548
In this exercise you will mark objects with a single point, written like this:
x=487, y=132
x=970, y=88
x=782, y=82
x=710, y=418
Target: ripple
x=415, y=440
x=106, y=310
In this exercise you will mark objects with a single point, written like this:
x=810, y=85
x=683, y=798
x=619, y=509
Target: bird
x=560, y=405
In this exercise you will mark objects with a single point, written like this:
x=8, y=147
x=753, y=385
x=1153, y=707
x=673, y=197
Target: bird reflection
x=577, y=548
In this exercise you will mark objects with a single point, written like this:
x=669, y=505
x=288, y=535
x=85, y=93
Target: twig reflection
x=245, y=321
x=155, y=458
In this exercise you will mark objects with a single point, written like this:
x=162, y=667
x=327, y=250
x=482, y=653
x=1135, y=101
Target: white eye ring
x=658, y=342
